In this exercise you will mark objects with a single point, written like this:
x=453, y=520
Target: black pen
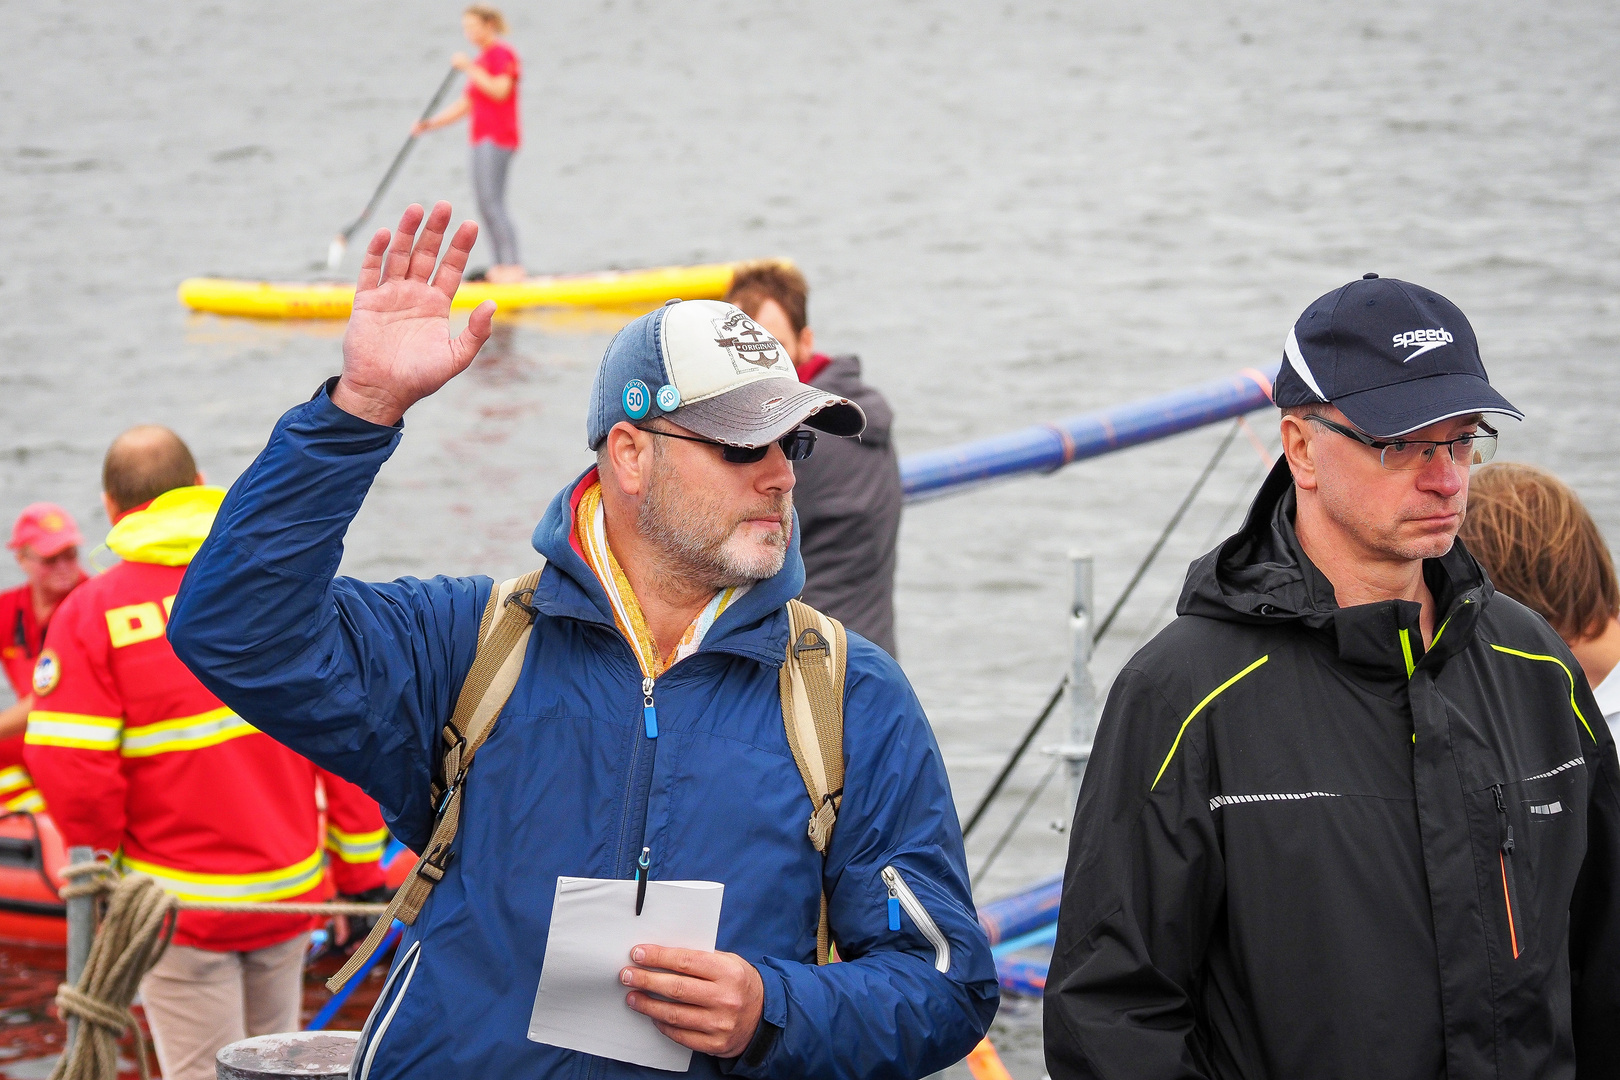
x=641, y=879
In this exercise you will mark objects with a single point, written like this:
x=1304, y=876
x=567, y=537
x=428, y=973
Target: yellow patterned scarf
x=591, y=534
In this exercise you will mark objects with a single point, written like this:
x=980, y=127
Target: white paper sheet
x=580, y=1002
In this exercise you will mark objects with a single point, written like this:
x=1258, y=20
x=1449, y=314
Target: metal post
x=81, y=931
x=1082, y=692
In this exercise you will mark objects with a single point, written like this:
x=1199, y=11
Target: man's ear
x=629, y=454
x=1296, y=445
x=807, y=345
x=108, y=505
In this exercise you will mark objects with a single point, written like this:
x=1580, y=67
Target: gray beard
x=693, y=539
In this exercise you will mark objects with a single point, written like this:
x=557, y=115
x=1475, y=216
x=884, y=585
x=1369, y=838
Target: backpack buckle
x=811, y=641
x=521, y=598
x=435, y=863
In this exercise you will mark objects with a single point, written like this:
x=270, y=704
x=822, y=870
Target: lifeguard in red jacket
x=139, y=761
x=46, y=540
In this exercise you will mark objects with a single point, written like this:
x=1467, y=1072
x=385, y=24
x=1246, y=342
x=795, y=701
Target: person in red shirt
x=46, y=541
x=492, y=100
x=138, y=761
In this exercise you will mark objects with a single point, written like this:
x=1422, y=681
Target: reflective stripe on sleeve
x=30, y=800
x=365, y=847
x=73, y=730
x=294, y=880
x=13, y=779
x=185, y=733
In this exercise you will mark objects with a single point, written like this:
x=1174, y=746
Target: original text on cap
x=748, y=344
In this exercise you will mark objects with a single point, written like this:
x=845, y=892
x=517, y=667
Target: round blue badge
x=669, y=398
x=637, y=399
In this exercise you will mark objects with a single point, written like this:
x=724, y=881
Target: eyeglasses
x=796, y=446
x=1407, y=455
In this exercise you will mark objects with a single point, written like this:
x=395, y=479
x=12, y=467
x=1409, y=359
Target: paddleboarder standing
x=491, y=100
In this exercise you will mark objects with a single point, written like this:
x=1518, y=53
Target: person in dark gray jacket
x=848, y=495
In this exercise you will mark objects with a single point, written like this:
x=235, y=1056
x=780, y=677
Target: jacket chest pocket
x=1534, y=839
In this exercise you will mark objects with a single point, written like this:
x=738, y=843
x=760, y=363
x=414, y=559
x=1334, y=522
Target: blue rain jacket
x=360, y=678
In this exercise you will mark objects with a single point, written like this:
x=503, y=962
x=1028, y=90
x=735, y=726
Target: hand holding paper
x=580, y=1003
x=715, y=998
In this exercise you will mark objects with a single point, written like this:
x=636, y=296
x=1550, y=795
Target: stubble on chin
x=1392, y=539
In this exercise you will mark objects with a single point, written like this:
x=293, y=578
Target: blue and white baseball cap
x=1392, y=356
x=711, y=369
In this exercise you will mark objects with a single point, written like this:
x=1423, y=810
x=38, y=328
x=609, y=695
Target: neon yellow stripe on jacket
x=74, y=730
x=185, y=733
x=266, y=885
x=365, y=847
x=13, y=779
x=30, y=800
x=1567, y=674
x=1213, y=694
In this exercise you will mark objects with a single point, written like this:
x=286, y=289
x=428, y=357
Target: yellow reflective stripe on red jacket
x=365, y=847
x=76, y=731
x=13, y=779
x=30, y=800
x=17, y=791
x=266, y=885
x=185, y=733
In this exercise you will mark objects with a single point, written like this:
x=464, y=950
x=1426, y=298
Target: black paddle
x=340, y=243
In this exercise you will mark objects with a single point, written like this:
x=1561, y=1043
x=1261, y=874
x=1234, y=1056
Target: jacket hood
x=169, y=529
x=1260, y=575
x=842, y=376
x=569, y=588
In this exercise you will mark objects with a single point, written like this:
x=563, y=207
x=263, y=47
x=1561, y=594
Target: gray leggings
x=489, y=165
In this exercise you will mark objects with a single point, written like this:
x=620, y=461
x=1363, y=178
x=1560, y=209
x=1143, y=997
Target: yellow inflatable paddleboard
x=333, y=300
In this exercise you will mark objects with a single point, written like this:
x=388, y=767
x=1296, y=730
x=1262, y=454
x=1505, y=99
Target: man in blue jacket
x=668, y=568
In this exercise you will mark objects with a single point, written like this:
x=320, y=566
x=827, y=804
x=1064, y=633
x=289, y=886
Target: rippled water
x=1012, y=212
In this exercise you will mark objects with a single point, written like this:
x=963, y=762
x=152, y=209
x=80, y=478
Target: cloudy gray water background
x=1012, y=212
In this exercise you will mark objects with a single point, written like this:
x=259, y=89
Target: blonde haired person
x=492, y=101
x=1541, y=547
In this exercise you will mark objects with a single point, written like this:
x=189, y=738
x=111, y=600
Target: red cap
x=46, y=528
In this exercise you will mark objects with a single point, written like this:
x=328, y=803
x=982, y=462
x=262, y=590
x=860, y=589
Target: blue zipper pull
x=894, y=909
x=649, y=711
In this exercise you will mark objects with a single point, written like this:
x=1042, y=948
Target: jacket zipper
x=1505, y=859
x=900, y=892
x=361, y=1069
x=649, y=720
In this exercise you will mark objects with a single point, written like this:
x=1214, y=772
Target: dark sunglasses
x=796, y=446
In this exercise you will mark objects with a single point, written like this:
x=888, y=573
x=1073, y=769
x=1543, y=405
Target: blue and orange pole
x=1049, y=447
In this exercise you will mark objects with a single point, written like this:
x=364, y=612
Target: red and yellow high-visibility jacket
x=136, y=758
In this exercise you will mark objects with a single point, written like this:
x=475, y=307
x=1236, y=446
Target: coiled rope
x=136, y=925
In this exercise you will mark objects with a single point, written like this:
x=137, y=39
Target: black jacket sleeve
x=1143, y=886
x=1594, y=927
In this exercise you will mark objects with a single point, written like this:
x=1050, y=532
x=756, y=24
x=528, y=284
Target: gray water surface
x=1012, y=212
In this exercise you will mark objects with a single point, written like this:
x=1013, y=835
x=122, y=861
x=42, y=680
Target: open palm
x=398, y=349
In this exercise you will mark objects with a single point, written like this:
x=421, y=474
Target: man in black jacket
x=848, y=495
x=1354, y=813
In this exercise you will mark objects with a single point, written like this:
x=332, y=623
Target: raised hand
x=398, y=349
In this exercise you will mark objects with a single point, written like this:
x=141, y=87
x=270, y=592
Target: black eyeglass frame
x=797, y=445
x=1485, y=434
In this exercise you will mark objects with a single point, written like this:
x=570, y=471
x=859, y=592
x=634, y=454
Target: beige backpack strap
x=503, y=638
x=812, y=687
